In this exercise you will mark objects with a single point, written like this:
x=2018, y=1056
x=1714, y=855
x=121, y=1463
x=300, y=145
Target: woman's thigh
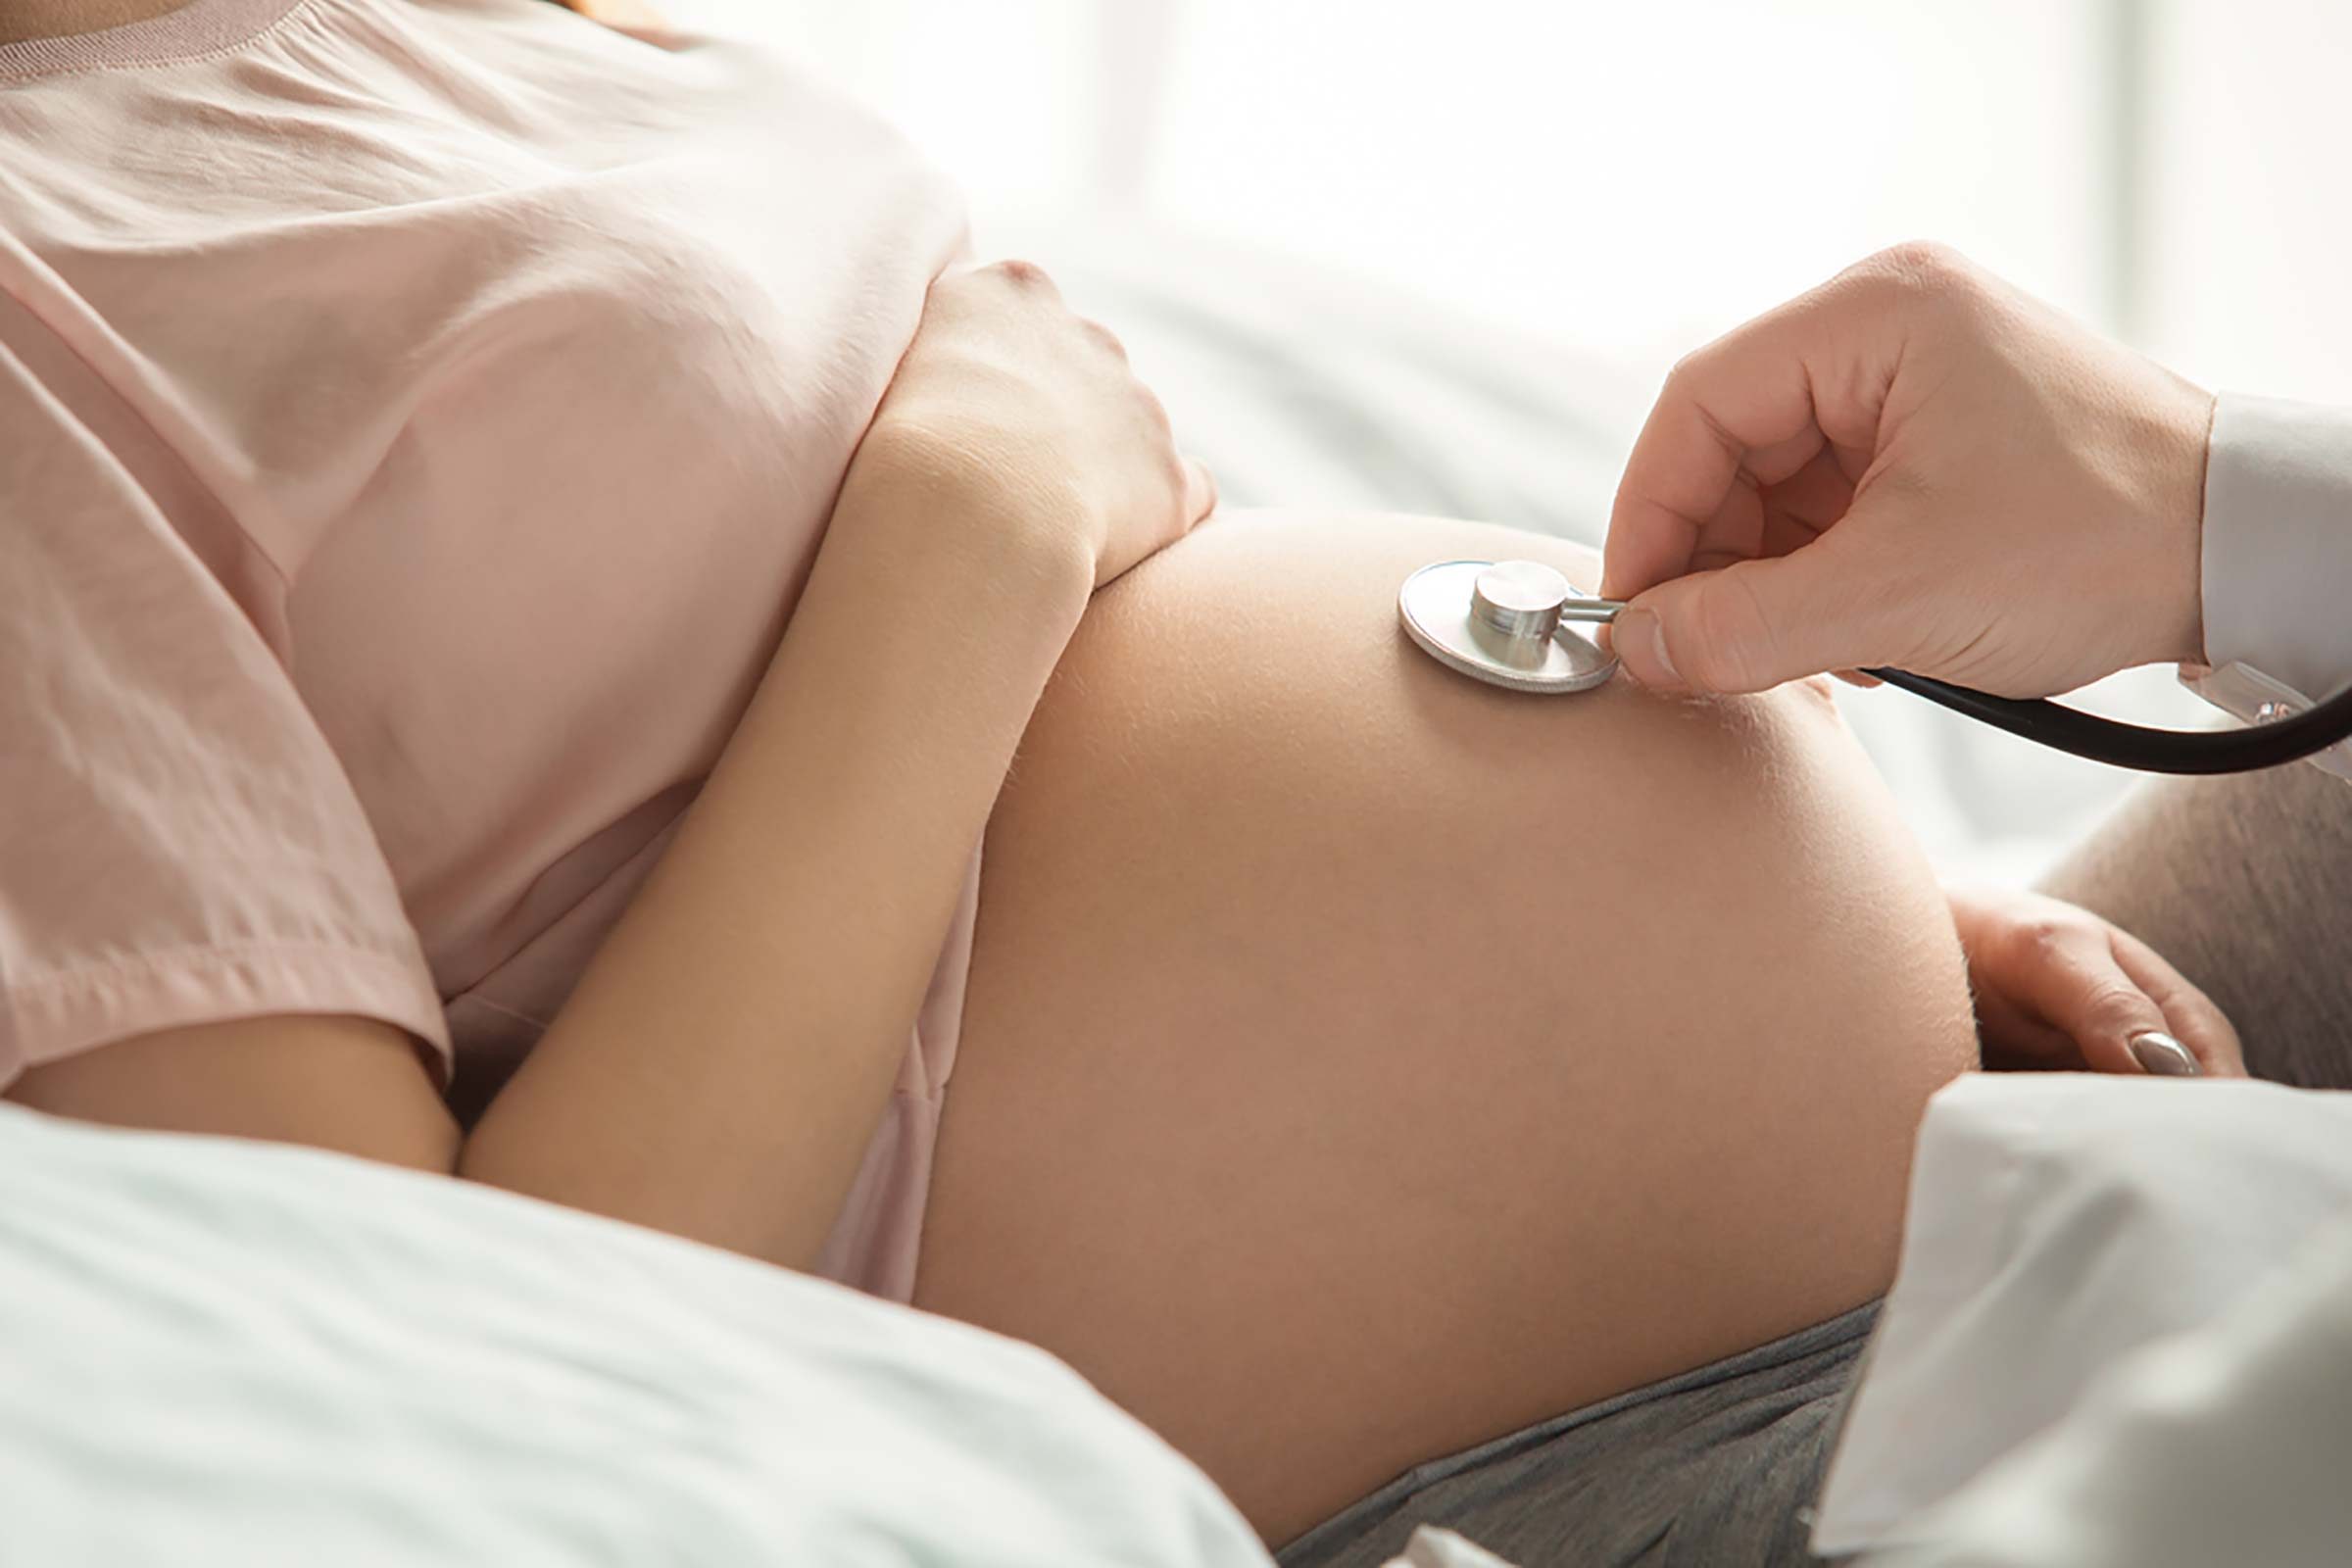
x=1360, y=1061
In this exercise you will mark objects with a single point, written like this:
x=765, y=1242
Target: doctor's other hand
x=2057, y=988
x=1012, y=411
x=1914, y=465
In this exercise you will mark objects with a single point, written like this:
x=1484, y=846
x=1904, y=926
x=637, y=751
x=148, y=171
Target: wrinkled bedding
x=227, y=1352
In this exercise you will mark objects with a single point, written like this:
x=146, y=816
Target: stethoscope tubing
x=2193, y=753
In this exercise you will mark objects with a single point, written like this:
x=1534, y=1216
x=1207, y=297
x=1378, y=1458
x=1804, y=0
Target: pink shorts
x=880, y=1228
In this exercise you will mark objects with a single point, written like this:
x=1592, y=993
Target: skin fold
x=1360, y=1063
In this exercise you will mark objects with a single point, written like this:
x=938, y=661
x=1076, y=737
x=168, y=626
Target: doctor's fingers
x=1838, y=603
x=1752, y=408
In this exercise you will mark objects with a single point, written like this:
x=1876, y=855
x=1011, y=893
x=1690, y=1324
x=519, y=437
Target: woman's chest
x=514, y=367
x=558, y=564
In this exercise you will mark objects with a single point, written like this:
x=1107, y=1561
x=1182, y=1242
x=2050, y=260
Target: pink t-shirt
x=418, y=419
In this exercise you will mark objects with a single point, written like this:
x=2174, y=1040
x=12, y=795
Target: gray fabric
x=1717, y=1466
x=2245, y=884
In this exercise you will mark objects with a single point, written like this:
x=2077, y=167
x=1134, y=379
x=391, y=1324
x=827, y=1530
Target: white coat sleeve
x=2278, y=552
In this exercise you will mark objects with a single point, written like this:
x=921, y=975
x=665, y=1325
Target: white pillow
x=213, y=1351
x=2057, y=1223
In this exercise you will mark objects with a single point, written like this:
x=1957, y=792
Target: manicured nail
x=1642, y=630
x=2164, y=1056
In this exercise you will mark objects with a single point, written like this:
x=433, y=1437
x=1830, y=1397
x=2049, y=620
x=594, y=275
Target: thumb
x=1750, y=625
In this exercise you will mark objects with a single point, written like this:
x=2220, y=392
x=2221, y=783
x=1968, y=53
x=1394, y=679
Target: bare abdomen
x=1359, y=1062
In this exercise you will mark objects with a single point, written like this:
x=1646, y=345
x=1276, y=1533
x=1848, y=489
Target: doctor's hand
x=1914, y=465
x=2058, y=988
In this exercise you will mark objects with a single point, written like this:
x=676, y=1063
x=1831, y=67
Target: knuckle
x=1924, y=264
x=948, y=293
x=1687, y=371
x=1917, y=272
x=1150, y=414
x=2114, y=1005
x=2040, y=941
x=1104, y=338
x=1687, y=389
x=1684, y=393
x=1022, y=274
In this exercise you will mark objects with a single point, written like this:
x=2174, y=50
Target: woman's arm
x=724, y=1059
x=722, y=1063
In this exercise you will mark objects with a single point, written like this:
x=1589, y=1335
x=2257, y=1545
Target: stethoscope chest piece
x=1499, y=622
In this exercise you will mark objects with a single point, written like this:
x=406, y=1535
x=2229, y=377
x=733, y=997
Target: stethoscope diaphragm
x=1513, y=623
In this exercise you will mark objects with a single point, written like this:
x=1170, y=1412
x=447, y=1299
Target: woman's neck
x=23, y=21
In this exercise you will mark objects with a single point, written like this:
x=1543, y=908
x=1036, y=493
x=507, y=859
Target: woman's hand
x=629, y=16
x=1913, y=466
x=1027, y=416
x=2057, y=987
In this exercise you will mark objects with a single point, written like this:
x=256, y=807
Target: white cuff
x=2256, y=699
x=2277, y=542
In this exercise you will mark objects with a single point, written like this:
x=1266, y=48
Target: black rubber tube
x=2245, y=749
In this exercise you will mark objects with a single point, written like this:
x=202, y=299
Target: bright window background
x=1635, y=178
x=1632, y=176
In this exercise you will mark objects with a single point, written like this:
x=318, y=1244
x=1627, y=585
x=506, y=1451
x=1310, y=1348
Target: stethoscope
x=1520, y=624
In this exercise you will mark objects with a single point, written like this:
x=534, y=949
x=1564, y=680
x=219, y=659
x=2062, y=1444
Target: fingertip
x=2103, y=1050
x=2160, y=1056
x=1639, y=638
x=2190, y=1015
x=1200, y=491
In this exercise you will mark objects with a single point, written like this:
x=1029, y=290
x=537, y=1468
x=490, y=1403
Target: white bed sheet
x=224, y=1351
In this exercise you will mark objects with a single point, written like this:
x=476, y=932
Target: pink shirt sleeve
x=177, y=843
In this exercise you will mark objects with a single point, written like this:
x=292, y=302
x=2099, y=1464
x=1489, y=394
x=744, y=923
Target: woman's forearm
x=722, y=1065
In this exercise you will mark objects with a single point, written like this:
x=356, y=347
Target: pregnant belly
x=1360, y=1061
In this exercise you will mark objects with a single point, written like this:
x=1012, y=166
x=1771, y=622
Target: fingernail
x=1642, y=633
x=2164, y=1056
